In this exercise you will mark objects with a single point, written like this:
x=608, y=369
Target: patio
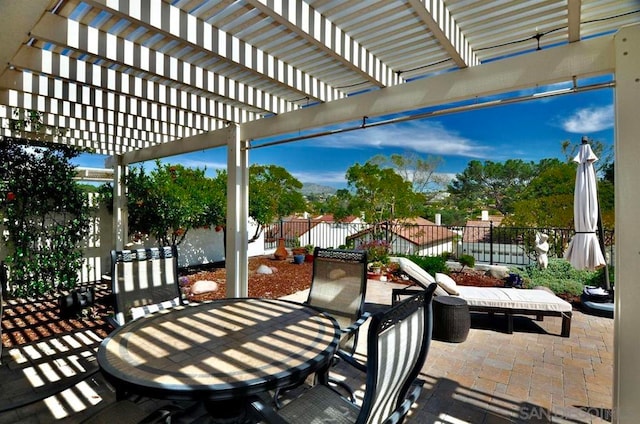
x=492, y=377
x=145, y=80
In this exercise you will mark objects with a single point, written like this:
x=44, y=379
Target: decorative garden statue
x=542, y=247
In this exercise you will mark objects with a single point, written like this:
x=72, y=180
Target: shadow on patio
x=532, y=375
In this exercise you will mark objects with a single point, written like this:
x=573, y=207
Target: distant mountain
x=317, y=189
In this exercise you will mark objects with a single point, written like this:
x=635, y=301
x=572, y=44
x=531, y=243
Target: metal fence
x=487, y=244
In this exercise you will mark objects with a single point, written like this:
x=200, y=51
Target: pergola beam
x=15, y=17
x=154, y=67
x=573, y=19
x=446, y=31
x=308, y=86
x=579, y=60
x=587, y=58
x=292, y=19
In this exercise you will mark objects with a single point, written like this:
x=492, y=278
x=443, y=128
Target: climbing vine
x=45, y=215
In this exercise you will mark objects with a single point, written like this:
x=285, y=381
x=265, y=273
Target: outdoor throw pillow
x=447, y=283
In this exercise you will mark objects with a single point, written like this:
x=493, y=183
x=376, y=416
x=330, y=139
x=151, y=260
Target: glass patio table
x=220, y=352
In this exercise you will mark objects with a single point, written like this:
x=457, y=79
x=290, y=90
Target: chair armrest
x=348, y=357
x=405, y=406
x=406, y=291
x=113, y=322
x=355, y=326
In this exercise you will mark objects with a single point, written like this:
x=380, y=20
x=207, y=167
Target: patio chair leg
x=566, y=324
x=509, y=323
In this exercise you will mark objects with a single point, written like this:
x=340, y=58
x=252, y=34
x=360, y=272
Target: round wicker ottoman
x=451, y=319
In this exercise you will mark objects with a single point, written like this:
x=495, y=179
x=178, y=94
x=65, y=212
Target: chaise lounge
x=508, y=301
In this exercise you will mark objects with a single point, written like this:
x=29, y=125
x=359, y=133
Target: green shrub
x=467, y=260
x=559, y=276
x=431, y=264
x=45, y=214
x=558, y=286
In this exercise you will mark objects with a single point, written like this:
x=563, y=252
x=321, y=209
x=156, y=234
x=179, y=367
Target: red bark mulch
x=470, y=277
x=26, y=321
x=287, y=278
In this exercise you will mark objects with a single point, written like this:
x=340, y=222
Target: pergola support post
x=120, y=213
x=236, y=257
x=626, y=368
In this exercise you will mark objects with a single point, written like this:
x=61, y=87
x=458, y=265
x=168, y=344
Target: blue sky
x=530, y=130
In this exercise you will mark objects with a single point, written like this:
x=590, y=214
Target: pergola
x=145, y=79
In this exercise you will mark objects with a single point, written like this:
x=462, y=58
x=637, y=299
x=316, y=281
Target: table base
x=232, y=411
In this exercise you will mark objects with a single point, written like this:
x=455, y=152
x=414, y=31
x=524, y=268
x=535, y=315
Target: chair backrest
x=397, y=346
x=143, y=280
x=338, y=287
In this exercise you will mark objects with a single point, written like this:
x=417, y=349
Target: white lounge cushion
x=420, y=275
x=511, y=298
x=447, y=283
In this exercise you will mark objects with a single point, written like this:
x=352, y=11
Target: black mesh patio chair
x=144, y=281
x=338, y=287
x=398, y=341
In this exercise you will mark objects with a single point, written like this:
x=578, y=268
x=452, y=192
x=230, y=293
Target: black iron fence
x=487, y=243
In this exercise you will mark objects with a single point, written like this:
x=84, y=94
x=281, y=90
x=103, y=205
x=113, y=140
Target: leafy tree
x=452, y=216
x=381, y=194
x=411, y=167
x=339, y=204
x=273, y=193
x=491, y=184
x=606, y=198
x=170, y=200
x=604, y=152
x=452, y=212
x=548, y=199
x=46, y=215
x=30, y=124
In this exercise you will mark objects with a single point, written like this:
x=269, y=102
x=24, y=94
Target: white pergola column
x=626, y=368
x=236, y=260
x=120, y=214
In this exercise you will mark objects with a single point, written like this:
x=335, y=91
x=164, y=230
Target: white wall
x=328, y=234
x=436, y=250
x=201, y=246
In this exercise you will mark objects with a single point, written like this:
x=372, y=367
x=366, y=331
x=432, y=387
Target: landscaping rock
x=500, y=272
x=264, y=269
x=204, y=286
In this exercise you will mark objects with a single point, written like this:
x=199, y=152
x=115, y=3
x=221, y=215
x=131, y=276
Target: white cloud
x=191, y=163
x=421, y=136
x=446, y=177
x=321, y=177
x=589, y=119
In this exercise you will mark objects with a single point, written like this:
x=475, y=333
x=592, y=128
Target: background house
x=321, y=231
x=414, y=236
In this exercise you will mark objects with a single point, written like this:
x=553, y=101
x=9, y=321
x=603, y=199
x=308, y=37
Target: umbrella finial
x=585, y=139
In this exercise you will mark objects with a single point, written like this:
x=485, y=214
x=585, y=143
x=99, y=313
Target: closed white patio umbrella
x=584, y=250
